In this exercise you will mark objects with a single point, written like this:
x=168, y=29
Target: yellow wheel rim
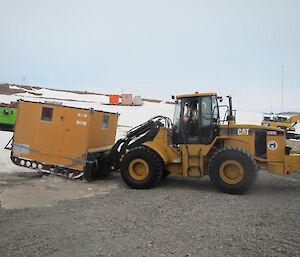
x=138, y=169
x=232, y=172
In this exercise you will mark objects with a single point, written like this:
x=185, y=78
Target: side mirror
x=173, y=97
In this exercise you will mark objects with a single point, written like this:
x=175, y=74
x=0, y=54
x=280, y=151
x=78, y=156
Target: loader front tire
x=141, y=168
x=232, y=170
x=165, y=174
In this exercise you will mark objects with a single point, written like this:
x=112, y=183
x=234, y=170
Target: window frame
x=46, y=117
x=105, y=121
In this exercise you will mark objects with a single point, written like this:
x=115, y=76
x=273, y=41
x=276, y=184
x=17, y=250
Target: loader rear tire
x=232, y=170
x=141, y=168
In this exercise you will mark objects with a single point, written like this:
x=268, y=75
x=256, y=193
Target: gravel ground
x=181, y=217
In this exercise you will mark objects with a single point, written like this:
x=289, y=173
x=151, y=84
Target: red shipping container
x=114, y=99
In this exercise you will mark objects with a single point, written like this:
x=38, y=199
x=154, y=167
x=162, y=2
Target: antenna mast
x=282, y=88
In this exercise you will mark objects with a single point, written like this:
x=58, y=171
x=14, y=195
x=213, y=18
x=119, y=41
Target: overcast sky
x=156, y=48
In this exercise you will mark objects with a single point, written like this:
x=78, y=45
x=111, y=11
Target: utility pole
x=282, y=88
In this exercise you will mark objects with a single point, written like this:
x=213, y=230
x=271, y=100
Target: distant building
x=126, y=99
x=114, y=99
x=137, y=100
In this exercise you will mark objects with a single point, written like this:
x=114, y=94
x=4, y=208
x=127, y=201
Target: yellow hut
x=50, y=134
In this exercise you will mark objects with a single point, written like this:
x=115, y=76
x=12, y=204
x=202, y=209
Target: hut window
x=105, y=121
x=47, y=114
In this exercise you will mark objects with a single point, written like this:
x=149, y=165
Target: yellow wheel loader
x=199, y=143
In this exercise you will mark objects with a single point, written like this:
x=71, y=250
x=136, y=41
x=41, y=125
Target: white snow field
x=130, y=116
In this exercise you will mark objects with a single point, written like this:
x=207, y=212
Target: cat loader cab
x=196, y=119
x=198, y=143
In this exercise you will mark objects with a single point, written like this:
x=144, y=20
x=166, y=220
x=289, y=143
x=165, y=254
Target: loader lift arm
x=137, y=136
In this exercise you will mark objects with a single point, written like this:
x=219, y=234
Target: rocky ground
x=50, y=216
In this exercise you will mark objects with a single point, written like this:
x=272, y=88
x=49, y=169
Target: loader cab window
x=186, y=120
x=6, y=112
x=176, y=119
x=209, y=119
x=47, y=114
x=209, y=110
x=206, y=111
x=197, y=122
x=215, y=109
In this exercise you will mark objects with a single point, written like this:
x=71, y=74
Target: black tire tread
x=155, y=165
x=242, y=188
x=165, y=174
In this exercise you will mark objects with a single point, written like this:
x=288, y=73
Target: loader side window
x=47, y=114
x=176, y=119
x=215, y=110
x=206, y=111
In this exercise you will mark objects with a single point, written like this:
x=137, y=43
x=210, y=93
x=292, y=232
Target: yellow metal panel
x=158, y=149
x=277, y=168
x=292, y=163
x=194, y=159
x=99, y=134
x=161, y=145
x=275, y=148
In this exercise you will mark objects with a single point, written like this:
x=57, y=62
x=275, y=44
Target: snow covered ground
x=130, y=116
x=6, y=164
